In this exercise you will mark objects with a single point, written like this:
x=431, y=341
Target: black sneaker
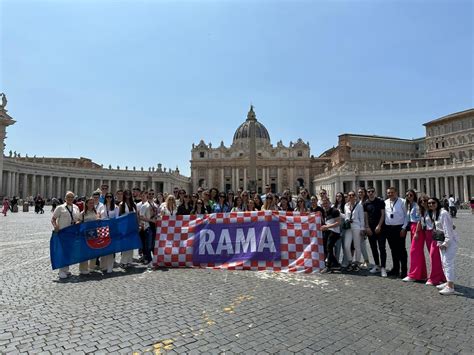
x=355, y=268
x=349, y=268
x=393, y=273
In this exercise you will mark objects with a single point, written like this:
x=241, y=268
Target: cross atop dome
x=251, y=115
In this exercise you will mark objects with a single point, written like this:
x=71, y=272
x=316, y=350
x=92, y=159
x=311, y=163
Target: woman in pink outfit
x=436, y=276
x=417, y=270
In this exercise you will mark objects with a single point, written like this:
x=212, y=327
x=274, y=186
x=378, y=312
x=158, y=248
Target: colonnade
x=460, y=185
x=24, y=184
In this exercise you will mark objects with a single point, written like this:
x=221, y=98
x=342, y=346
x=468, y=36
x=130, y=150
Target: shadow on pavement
x=99, y=276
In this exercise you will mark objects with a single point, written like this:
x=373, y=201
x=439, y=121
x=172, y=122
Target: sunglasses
x=108, y=196
x=199, y=203
x=370, y=191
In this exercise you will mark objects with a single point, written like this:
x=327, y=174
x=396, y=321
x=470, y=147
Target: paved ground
x=207, y=311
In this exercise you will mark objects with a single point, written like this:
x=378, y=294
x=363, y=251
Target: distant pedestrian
x=6, y=206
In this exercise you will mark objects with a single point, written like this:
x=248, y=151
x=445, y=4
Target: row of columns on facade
x=236, y=181
x=432, y=186
x=24, y=185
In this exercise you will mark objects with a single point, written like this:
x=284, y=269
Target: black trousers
x=397, y=247
x=377, y=242
x=330, y=238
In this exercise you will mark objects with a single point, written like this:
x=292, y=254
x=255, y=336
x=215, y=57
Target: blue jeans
x=340, y=245
x=148, y=244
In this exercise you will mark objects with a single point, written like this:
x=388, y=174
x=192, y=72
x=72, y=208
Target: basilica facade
x=280, y=166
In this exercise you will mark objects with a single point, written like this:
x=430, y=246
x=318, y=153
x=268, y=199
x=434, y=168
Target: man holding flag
x=65, y=215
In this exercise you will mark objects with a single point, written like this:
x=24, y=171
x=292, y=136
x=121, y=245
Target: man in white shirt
x=395, y=213
x=97, y=204
x=148, y=215
x=65, y=215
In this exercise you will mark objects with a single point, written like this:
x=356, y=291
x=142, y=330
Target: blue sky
x=137, y=82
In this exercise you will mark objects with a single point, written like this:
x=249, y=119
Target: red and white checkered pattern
x=103, y=232
x=301, y=241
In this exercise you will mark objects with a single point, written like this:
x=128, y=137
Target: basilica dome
x=243, y=132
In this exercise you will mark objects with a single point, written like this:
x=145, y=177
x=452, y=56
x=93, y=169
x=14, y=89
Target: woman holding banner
x=89, y=214
x=127, y=206
x=65, y=215
x=108, y=211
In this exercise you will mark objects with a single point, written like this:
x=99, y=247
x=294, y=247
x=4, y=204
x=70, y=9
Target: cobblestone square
x=207, y=311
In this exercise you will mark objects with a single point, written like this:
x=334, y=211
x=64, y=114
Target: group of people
x=347, y=223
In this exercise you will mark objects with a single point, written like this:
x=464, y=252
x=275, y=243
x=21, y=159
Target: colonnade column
x=25, y=185
x=446, y=186
x=58, y=187
x=456, y=188
x=42, y=190
x=437, y=193
x=34, y=190
x=245, y=179
x=17, y=184
x=237, y=180
x=222, y=180
x=465, y=188
x=418, y=184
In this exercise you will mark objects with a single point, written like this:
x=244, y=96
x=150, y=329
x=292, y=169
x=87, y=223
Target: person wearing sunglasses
x=417, y=271
x=363, y=196
x=63, y=216
x=269, y=204
x=149, y=213
x=354, y=225
x=301, y=205
x=245, y=199
x=127, y=206
x=221, y=206
x=339, y=204
x=199, y=208
x=447, y=240
x=109, y=210
x=374, y=210
x=208, y=204
x=186, y=206
x=425, y=232
x=395, y=214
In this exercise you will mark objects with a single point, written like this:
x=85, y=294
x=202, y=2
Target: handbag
x=346, y=225
x=438, y=235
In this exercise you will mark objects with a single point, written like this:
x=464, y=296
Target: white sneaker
x=441, y=286
x=63, y=275
x=383, y=272
x=365, y=265
x=374, y=270
x=85, y=272
x=447, y=291
x=408, y=279
x=429, y=283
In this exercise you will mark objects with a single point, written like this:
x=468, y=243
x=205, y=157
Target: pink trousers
x=417, y=257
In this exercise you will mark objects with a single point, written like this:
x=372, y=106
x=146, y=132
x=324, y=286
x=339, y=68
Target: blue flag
x=89, y=240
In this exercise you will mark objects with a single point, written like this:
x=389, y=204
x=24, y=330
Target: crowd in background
x=349, y=220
